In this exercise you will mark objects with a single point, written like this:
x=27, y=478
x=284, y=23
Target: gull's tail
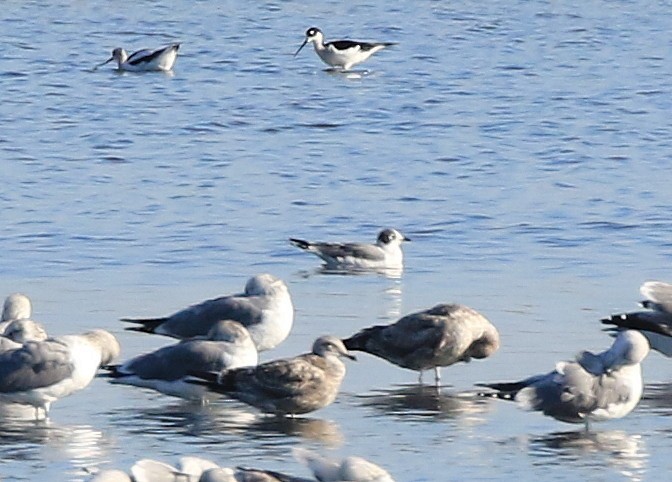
x=146, y=325
x=656, y=322
x=300, y=243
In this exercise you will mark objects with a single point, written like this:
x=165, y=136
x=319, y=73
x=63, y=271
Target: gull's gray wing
x=198, y=319
x=571, y=393
x=176, y=361
x=35, y=365
x=340, y=251
x=281, y=378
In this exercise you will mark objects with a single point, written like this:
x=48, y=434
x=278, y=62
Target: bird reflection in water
x=427, y=401
x=626, y=453
x=657, y=398
x=226, y=418
x=75, y=447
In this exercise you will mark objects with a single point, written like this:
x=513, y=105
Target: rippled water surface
x=524, y=146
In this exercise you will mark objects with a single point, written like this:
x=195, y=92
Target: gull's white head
x=390, y=237
x=230, y=331
x=629, y=348
x=17, y=306
x=328, y=344
x=263, y=284
x=25, y=330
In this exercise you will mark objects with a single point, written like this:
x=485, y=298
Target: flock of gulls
x=219, y=340
x=218, y=343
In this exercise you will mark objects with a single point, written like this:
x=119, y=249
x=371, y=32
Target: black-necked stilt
x=341, y=54
x=144, y=60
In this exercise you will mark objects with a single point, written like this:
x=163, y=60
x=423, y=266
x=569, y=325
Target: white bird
x=189, y=469
x=228, y=345
x=656, y=322
x=343, y=54
x=595, y=387
x=41, y=372
x=289, y=386
x=350, y=469
x=111, y=475
x=385, y=254
x=145, y=60
x=17, y=306
x=265, y=309
x=437, y=337
x=23, y=330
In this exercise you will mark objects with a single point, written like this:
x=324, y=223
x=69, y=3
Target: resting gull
x=351, y=469
x=228, y=345
x=595, y=387
x=41, y=372
x=656, y=322
x=17, y=307
x=288, y=386
x=385, y=254
x=265, y=309
x=437, y=337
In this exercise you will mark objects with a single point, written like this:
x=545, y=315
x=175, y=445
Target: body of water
x=524, y=146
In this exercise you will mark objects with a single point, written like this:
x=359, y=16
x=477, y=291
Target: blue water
x=524, y=146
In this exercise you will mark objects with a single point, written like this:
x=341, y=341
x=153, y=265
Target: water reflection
x=657, y=398
x=426, y=402
x=624, y=452
x=225, y=419
x=391, y=273
x=81, y=446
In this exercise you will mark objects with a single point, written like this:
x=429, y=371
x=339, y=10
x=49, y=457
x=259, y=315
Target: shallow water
x=524, y=146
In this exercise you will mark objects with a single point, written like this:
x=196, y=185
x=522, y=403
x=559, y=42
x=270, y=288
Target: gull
x=385, y=254
x=41, y=372
x=18, y=332
x=111, y=475
x=351, y=469
x=289, y=386
x=265, y=309
x=656, y=322
x=242, y=474
x=343, y=54
x=17, y=306
x=145, y=60
x=228, y=345
x=189, y=469
x=437, y=337
x=595, y=387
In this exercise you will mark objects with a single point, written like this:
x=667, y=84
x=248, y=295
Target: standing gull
x=656, y=322
x=16, y=307
x=351, y=469
x=385, y=254
x=228, y=345
x=437, y=337
x=145, y=60
x=41, y=372
x=265, y=309
x=289, y=386
x=342, y=54
x=595, y=387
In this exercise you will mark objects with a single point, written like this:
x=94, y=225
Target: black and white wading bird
x=145, y=60
x=341, y=54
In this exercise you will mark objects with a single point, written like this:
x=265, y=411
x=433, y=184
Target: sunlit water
x=524, y=146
